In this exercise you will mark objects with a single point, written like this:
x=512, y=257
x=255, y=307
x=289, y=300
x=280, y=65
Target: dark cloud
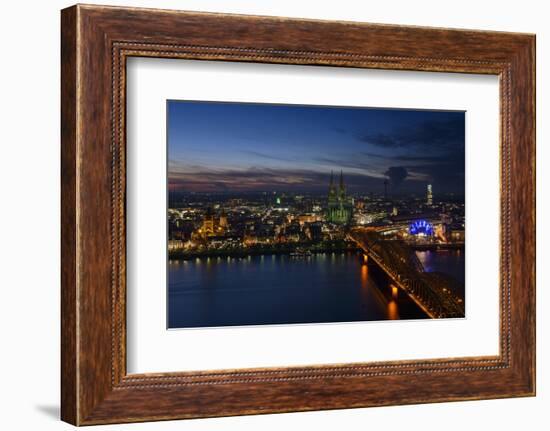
x=442, y=158
x=431, y=151
x=405, y=158
x=376, y=156
x=397, y=175
x=429, y=135
x=357, y=162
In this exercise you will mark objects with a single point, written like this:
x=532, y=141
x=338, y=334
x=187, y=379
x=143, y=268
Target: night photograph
x=294, y=214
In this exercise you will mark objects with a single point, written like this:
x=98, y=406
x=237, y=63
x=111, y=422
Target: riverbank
x=278, y=250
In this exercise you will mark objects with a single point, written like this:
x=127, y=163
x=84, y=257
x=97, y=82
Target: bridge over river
x=433, y=292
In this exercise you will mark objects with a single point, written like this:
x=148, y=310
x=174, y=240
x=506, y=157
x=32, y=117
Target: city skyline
x=238, y=147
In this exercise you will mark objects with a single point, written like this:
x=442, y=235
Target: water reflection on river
x=273, y=289
x=450, y=262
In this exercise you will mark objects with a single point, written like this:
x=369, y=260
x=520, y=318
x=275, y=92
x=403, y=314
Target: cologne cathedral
x=340, y=206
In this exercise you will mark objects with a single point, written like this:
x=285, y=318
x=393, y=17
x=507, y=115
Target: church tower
x=342, y=187
x=340, y=206
x=332, y=194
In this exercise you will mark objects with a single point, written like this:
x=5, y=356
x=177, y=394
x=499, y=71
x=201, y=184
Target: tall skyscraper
x=340, y=206
x=429, y=196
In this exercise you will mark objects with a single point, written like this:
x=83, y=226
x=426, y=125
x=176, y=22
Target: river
x=258, y=290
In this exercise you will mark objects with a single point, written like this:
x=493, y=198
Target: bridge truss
x=433, y=292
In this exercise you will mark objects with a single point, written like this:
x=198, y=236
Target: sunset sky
x=237, y=147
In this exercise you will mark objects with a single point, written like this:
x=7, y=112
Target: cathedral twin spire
x=340, y=207
x=332, y=188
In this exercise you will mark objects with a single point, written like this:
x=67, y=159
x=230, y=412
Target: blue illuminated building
x=421, y=227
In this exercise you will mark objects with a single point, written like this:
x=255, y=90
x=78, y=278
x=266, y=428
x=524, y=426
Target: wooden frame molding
x=95, y=43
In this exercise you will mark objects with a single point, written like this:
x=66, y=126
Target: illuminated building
x=362, y=219
x=441, y=232
x=207, y=228
x=211, y=226
x=223, y=221
x=340, y=206
x=368, y=218
x=175, y=244
x=308, y=218
x=421, y=228
x=429, y=196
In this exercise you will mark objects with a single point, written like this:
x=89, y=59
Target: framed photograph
x=266, y=215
